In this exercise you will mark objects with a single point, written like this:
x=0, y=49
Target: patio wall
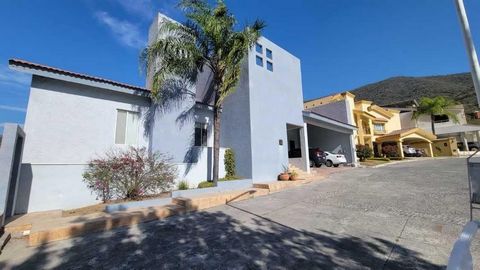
x=11, y=149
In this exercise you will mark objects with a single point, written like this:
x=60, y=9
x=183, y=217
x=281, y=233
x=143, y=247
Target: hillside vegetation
x=456, y=86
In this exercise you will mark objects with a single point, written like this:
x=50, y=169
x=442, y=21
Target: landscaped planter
x=222, y=186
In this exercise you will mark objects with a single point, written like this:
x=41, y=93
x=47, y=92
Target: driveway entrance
x=402, y=216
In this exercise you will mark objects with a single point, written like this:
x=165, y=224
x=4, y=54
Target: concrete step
x=4, y=240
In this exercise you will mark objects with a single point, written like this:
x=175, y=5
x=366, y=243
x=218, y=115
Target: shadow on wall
x=215, y=240
x=173, y=97
x=24, y=188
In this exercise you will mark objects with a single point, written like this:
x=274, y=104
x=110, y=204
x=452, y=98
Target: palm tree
x=207, y=42
x=435, y=106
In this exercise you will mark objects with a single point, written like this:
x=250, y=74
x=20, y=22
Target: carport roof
x=318, y=117
x=401, y=133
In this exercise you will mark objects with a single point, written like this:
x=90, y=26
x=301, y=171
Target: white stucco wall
x=68, y=124
x=276, y=99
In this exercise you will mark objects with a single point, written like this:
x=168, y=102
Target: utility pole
x=472, y=54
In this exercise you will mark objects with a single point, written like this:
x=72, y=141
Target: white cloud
x=12, y=108
x=143, y=8
x=126, y=32
x=12, y=77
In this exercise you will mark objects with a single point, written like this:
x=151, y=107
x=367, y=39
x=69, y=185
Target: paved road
x=403, y=216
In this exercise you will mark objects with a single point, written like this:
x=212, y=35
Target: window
x=259, y=48
x=200, y=134
x=259, y=61
x=379, y=127
x=269, y=54
x=127, y=127
x=269, y=65
x=440, y=118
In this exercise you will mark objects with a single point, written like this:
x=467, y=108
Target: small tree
x=210, y=40
x=435, y=106
x=229, y=162
x=129, y=174
x=364, y=152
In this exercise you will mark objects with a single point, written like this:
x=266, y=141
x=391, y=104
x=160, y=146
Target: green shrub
x=364, y=152
x=129, y=174
x=229, y=162
x=205, y=184
x=183, y=185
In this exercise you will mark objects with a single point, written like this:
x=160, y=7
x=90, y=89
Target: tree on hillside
x=208, y=40
x=435, y=106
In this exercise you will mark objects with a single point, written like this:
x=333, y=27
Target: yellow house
x=376, y=126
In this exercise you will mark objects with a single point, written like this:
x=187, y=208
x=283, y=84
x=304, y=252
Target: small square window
x=259, y=48
x=269, y=54
x=259, y=61
x=269, y=65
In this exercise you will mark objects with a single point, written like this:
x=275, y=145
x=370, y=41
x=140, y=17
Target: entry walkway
x=403, y=216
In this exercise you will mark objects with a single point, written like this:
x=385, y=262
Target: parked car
x=334, y=159
x=473, y=146
x=317, y=157
x=409, y=151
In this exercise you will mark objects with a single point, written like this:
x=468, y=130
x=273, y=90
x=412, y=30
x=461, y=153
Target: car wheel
x=311, y=163
x=473, y=148
x=336, y=165
x=329, y=163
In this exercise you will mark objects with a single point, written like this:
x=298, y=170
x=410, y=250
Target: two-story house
x=467, y=135
x=376, y=126
x=72, y=118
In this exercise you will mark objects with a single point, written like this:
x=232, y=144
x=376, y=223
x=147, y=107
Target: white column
x=465, y=142
x=304, y=148
x=472, y=54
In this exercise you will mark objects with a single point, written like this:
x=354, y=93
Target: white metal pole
x=472, y=55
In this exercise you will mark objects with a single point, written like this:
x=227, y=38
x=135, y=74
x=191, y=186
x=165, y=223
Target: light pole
x=472, y=54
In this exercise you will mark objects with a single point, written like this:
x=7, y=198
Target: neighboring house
x=73, y=118
x=376, y=126
x=445, y=127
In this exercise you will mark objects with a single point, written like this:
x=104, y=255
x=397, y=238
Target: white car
x=334, y=159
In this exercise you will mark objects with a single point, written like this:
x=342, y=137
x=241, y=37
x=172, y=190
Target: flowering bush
x=390, y=151
x=129, y=174
x=364, y=152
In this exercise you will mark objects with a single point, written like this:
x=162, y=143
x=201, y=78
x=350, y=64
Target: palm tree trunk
x=432, y=120
x=217, y=111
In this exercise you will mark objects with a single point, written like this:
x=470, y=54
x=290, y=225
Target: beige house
x=445, y=127
x=376, y=126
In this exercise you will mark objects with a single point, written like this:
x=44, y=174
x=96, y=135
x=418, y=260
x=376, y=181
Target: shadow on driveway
x=215, y=240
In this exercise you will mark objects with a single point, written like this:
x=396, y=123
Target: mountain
x=458, y=87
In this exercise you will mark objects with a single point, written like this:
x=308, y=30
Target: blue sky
x=343, y=44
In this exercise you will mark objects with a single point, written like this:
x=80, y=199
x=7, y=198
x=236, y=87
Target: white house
x=72, y=118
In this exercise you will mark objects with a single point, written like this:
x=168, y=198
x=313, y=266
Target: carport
x=330, y=135
x=416, y=137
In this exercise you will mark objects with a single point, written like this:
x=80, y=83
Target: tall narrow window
x=200, y=134
x=127, y=127
x=269, y=54
x=269, y=65
x=259, y=61
x=259, y=48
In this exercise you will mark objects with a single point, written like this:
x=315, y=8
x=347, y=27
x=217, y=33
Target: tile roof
x=35, y=66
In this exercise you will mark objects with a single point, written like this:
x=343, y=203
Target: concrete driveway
x=403, y=216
